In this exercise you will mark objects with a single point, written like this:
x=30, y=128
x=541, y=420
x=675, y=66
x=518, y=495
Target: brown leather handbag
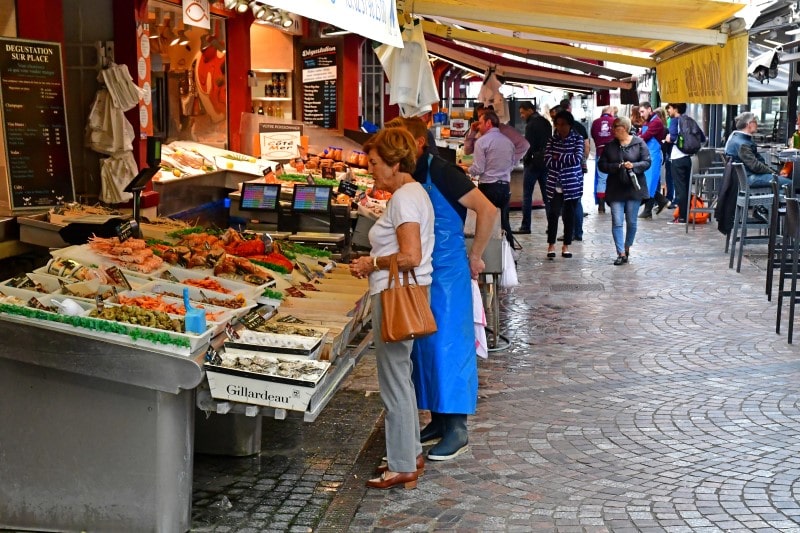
x=406, y=312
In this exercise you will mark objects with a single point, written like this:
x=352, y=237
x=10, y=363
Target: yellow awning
x=628, y=26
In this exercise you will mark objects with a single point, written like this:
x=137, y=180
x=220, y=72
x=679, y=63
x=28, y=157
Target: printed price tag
x=125, y=230
x=252, y=320
x=349, y=188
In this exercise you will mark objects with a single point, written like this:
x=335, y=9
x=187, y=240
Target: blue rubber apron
x=445, y=367
x=653, y=174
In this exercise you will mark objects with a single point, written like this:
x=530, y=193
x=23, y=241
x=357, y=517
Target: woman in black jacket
x=624, y=160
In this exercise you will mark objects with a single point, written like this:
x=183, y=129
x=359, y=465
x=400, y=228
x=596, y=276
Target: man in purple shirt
x=521, y=144
x=493, y=160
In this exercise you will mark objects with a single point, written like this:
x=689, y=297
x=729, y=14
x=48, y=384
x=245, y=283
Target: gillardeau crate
x=263, y=389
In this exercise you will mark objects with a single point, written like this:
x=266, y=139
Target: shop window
x=189, y=78
x=372, y=83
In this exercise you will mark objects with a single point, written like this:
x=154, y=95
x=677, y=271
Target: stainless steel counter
x=95, y=436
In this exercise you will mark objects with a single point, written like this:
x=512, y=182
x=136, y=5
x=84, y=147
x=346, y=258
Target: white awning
x=376, y=19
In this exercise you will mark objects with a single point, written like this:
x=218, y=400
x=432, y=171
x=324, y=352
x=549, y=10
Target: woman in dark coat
x=624, y=153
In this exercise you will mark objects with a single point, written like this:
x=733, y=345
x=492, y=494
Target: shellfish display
x=276, y=366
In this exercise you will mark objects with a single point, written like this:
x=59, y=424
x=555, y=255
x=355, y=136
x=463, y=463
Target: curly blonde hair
x=394, y=145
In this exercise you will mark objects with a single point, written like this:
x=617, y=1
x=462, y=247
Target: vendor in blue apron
x=445, y=366
x=653, y=133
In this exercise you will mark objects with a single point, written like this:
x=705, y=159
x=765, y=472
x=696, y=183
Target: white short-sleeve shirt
x=409, y=203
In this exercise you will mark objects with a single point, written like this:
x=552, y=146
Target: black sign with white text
x=320, y=78
x=34, y=124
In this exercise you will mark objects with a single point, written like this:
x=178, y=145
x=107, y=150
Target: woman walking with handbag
x=404, y=233
x=625, y=159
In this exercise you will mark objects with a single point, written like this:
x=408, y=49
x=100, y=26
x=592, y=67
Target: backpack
x=697, y=218
x=690, y=137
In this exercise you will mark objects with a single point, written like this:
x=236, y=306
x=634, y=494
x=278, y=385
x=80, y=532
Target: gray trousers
x=399, y=399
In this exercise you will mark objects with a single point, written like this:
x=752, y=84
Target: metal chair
x=704, y=185
x=789, y=257
x=776, y=234
x=746, y=199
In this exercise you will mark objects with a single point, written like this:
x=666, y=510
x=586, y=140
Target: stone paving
x=653, y=396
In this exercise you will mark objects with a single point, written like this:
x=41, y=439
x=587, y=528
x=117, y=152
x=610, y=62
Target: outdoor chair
x=744, y=225
x=776, y=234
x=704, y=185
x=789, y=257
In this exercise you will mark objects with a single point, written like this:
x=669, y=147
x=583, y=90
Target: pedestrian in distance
x=563, y=157
x=625, y=160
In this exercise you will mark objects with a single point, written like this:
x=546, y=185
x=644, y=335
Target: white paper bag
x=509, y=276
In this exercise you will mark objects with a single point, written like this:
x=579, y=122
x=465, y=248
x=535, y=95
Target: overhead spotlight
x=230, y=4
x=167, y=34
x=155, y=24
x=183, y=39
x=243, y=6
x=287, y=21
x=259, y=10
x=179, y=38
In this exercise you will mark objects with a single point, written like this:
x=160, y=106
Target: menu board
x=320, y=73
x=38, y=171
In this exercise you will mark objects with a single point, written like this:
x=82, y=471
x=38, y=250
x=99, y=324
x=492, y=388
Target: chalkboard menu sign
x=320, y=72
x=37, y=162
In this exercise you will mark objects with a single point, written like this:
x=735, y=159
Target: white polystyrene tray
x=249, y=291
x=195, y=294
x=225, y=314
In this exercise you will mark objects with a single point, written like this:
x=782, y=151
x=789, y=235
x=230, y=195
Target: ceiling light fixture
x=243, y=6
x=259, y=10
x=167, y=34
x=230, y=4
x=183, y=39
x=287, y=21
x=154, y=17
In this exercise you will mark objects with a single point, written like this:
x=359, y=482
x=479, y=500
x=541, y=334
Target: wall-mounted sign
x=196, y=13
x=320, y=78
x=35, y=163
x=279, y=141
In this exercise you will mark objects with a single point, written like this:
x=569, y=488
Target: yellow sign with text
x=709, y=75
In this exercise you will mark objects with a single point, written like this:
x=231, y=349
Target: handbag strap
x=394, y=273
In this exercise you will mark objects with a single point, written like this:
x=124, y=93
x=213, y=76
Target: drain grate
x=576, y=287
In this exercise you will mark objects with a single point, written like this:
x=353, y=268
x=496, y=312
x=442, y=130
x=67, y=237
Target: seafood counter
x=104, y=347
x=270, y=300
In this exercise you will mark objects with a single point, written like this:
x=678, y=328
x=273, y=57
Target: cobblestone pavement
x=653, y=396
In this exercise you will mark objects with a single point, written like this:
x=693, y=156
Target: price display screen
x=311, y=199
x=259, y=197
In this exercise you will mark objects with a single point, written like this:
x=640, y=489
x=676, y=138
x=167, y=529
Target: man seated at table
x=742, y=149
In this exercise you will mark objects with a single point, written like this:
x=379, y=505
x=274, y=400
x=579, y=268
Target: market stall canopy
x=622, y=24
x=574, y=36
x=515, y=71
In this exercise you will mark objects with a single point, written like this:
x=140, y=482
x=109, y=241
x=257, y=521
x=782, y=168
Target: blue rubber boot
x=454, y=441
x=433, y=431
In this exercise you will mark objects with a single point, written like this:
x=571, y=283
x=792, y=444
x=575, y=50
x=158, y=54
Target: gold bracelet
x=375, y=263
